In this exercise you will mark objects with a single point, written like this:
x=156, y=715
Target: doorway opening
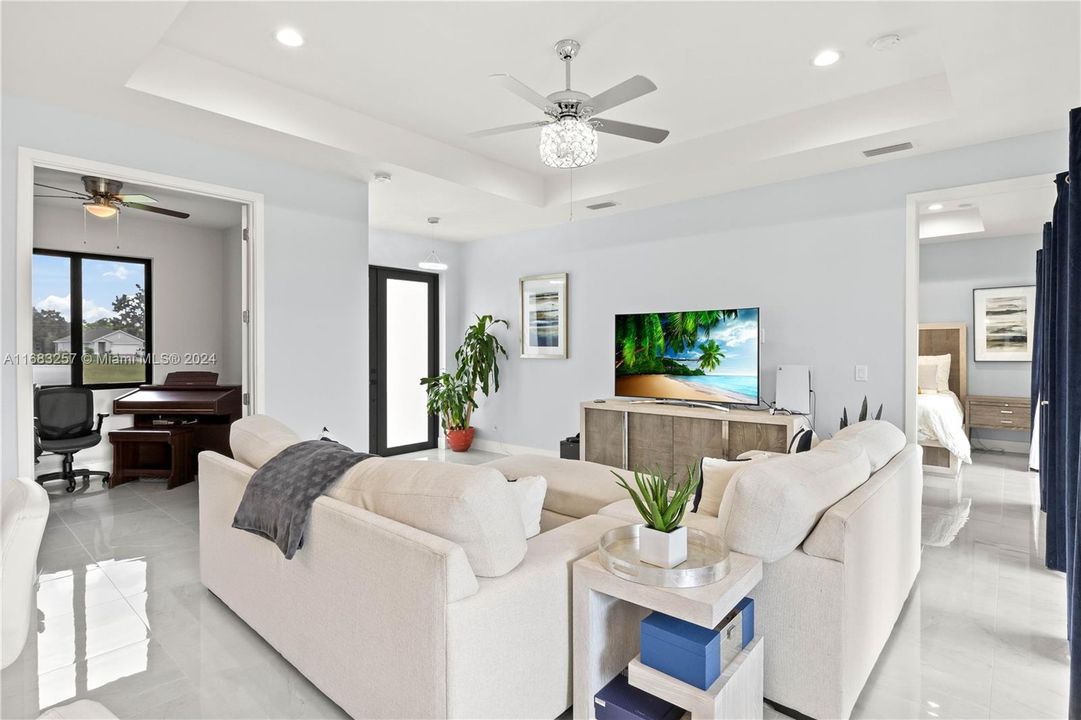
x=971, y=287
x=161, y=275
x=404, y=326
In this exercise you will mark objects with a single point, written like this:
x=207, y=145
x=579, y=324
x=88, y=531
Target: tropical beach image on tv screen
x=704, y=355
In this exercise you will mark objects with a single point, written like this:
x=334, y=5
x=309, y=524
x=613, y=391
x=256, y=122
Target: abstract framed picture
x=543, y=316
x=1003, y=322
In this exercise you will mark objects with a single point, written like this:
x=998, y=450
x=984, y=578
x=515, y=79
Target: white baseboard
x=1010, y=446
x=500, y=447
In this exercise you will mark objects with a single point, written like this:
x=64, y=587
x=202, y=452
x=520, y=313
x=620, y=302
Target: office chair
x=63, y=424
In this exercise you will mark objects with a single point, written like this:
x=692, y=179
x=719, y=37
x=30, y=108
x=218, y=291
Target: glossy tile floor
x=984, y=632
x=122, y=618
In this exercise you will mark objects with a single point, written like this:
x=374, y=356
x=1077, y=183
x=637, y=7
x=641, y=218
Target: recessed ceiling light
x=826, y=58
x=289, y=37
x=934, y=206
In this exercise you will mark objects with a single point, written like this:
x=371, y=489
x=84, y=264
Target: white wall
x=949, y=271
x=823, y=257
x=316, y=260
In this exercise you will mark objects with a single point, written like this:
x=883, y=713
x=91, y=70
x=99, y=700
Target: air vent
x=887, y=149
x=602, y=205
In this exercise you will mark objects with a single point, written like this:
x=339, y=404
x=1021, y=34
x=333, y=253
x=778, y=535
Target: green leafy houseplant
x=863, y=414
x=659, y=499
x=452, y=396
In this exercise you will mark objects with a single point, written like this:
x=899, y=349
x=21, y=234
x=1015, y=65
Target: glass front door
x=404, y=327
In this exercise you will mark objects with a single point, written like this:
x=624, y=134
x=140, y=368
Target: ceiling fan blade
x=509, y=128
x=630, y=130
x=65, y=197
x=516, y=86
x=76, y=193
x=626, y=91
x=136, y=197
x=158, y=210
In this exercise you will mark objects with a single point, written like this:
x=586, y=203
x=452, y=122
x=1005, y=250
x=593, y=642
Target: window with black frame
x=104, y=340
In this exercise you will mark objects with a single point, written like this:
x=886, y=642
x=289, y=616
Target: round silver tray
x=707, y=559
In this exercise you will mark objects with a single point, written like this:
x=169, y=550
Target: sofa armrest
x=888, y=503
x=515, y=632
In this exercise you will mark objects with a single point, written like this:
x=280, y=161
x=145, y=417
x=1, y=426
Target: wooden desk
x=162, y=453
x=998, y=412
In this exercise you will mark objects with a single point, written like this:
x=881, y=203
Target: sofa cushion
x=770, y=507
x=879, y=439
x=575, y=488
x=257, y=438
x=626, y=511
x=529, y=491
x=472, y=506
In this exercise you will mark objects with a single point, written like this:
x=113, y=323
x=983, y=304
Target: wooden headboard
x=948, y=339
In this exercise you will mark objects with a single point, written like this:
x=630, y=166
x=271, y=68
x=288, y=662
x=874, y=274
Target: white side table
x=607, y=613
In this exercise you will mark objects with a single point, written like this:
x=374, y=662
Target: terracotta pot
x=460, y=440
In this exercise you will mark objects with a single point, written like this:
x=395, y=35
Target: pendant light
x=432, y=262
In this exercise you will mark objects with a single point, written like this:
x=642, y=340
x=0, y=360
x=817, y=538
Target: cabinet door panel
x=649, y=442
x=693, y=439
x=604, y=437
x=752, y=436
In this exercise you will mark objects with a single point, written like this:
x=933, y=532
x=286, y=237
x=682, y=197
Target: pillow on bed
x=940, y=364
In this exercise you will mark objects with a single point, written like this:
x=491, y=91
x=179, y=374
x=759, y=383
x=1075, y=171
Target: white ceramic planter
x=662, y=549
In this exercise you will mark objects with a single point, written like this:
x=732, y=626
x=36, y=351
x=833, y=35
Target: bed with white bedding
x=942, y=421
x=942, y=367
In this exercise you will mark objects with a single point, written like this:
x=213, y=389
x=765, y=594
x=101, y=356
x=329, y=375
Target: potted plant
x=452, y=397
x=661, y=503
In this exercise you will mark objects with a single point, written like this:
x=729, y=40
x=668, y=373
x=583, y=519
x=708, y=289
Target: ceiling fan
x=569, y=133
x=103, y=198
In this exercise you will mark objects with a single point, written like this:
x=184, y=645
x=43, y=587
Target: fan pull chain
x=83, y=213
x=117, y=229
x=570, y=177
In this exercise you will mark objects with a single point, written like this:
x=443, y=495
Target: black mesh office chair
x=64, y=424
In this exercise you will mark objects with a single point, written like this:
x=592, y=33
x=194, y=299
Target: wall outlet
x=861, y=373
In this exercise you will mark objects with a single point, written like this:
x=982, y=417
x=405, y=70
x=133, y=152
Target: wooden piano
x=186, y=399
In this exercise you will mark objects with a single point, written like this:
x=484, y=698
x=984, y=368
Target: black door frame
x=377, y=388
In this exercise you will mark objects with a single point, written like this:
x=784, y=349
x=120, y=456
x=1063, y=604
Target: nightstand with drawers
x=1001, y=413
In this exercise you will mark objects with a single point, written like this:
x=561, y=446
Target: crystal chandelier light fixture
x=568, y=143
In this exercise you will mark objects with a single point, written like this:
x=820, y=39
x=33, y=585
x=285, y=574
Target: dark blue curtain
x=1059, y=384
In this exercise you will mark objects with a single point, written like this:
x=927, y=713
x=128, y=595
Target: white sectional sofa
x=417, y=595
x=838, y=530
x=391, y=620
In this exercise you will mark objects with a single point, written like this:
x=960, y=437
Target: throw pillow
x=530, y=494
x=716, y=474
x=939, y=381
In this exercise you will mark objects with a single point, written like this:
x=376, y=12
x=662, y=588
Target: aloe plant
x=863, y=414
x=660, y=501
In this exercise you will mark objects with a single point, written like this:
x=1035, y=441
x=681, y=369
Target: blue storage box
x=686, y=651
x=619, y=700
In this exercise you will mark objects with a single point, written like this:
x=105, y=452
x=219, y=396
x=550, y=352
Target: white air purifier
x=794, y=389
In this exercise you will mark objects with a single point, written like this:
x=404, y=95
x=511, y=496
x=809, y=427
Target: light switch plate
x=861, y=373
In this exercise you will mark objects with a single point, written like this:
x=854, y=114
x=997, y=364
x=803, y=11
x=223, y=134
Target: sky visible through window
x=103, y=281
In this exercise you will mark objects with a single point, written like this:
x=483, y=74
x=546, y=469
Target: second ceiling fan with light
x=569, y=133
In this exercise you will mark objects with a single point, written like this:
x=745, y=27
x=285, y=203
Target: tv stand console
x=671, y=438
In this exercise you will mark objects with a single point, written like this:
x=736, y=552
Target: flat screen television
x=693, y=355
